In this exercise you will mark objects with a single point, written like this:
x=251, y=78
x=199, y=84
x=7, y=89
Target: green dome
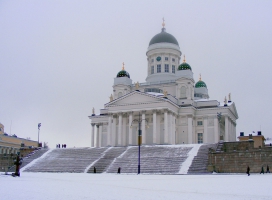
x=163, y=37
x=184, y=66
x=123, y=73
x=200, y=84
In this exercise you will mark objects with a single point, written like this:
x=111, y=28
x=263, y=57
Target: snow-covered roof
x=155, y=94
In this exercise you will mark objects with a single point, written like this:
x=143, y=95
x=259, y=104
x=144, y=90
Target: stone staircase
x=200, y=162
x=67, y=160
x=29, y=158
x=219, y=146
x=104, y=162
x=154, y=159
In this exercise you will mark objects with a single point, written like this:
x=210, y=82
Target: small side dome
x=184, y=65
x=123, y=73
x=200, y=83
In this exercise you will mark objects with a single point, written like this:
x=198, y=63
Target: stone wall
x=234, y=157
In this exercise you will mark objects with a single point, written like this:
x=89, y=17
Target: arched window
x=120, y=94
x=183, y=92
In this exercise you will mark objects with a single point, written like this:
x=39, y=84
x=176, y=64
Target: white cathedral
x=171, y=107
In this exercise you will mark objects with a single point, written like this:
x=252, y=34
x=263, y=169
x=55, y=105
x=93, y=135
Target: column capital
x=165, y=110
x=154, y=111
x=92, y=124
x=143, y=111
x=97, y=125
x=190, y=116
x=130, y=112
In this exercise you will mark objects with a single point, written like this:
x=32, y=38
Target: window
x=199, y=123
x=173, y=59
x=152, y=69
x=158, y=68
x=166, y=68
x=198, y=95
x=200, y=138
x=173, y=69
x=153, y=90
x=166, y=58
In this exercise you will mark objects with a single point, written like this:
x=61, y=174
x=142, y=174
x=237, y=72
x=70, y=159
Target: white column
x=124, y=132
x=190, y=130
x=165, y=127
x=154, y=127
x=216, y=129
x=226, y=139
x=205, y=132
x=143, y=128
x=100, y=135
x=97, y=136
x=120, y=130
x=92, y=135
x=109, y=130
x=158, y=128
x=130, y=129
x=174, y=129
x=170, y=128
x=113, y=138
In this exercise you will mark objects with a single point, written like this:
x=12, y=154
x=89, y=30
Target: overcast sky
x=58, y=59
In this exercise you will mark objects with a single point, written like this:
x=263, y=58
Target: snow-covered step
x=66, y=160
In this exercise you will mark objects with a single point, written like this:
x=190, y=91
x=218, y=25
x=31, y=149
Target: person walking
x=267, y=169
x=94, y=170
x=119, y=170
x=262, y=170
x=248, y=170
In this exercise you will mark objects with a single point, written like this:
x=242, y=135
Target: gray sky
x=58, y=58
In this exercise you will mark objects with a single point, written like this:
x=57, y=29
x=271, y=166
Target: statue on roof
x=165, y=93
x=137, y=85
x=111, y=97
x=229, y=97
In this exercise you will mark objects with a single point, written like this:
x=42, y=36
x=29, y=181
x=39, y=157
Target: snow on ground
x=73, y=186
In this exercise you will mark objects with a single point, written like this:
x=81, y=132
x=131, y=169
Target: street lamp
x=219, y=116
x=139, y=121
x=39, y=126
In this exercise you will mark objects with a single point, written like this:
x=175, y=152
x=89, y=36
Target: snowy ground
x=70, y=186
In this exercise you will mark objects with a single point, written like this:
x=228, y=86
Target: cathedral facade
x=169, y=108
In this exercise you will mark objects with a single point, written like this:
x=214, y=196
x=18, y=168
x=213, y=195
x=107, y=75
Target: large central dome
x=163, y=37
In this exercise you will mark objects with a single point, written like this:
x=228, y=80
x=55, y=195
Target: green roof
x=184, y=66
x=200, y=84
x=123, y=73
x=163, y=37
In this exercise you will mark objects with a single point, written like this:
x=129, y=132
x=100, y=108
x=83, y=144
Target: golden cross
x=163, y=24
x=123, y=68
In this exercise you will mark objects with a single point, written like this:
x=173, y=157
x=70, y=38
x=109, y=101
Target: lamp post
x=139, y=121
x=219, y=116
x=39, y=125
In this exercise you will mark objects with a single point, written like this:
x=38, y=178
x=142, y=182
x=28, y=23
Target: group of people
x=262, y=171
x=62, y=146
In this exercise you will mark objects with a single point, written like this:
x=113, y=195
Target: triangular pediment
x=136, y=98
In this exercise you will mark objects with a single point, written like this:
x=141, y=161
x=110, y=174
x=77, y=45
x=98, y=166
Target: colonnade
x=117, y=124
